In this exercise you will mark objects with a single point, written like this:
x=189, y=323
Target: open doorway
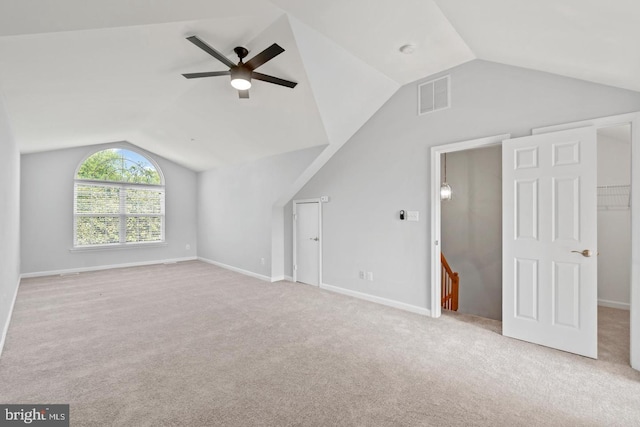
x=614, y=241
x=471, y=227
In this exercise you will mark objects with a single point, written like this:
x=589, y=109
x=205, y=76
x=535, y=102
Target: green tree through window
x=120, y=166
x=119, y=200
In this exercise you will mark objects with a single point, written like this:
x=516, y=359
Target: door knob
x=314, y=238
x=586, y=253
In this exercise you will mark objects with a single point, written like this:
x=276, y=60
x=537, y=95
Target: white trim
x=237, y=270
x=614, y=304
x=281, y=278
x=295, y=246
x=378, y=300
x=5, y=330
x=600, y=122
x=117, y=246
x=435, y=243
x=104, y=267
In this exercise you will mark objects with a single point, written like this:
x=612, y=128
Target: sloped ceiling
x=81, y=72
x=587, y=39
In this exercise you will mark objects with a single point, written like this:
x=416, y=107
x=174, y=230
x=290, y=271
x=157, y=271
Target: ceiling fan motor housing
x=241, y=52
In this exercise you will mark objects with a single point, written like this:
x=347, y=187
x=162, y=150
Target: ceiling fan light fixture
x=241, y=78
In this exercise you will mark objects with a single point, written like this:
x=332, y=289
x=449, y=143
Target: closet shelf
x=614, y=197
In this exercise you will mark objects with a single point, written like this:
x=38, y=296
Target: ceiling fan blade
x=211, y=51
x=274, y=80
x=243, y=94
x=264, y=56
x=206, y=74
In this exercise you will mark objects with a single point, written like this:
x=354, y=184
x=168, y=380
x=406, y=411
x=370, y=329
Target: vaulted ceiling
x=78, y=72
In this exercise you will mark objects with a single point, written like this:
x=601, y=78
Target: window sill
x=97, y=248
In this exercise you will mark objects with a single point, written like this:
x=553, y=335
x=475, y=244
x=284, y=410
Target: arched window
x=118, y=200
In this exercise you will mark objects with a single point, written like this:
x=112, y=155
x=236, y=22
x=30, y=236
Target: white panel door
x=307, y=243
x=550, y=290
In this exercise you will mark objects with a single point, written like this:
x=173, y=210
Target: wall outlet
x=262, y=261
x=370, y=276
x=187, y=246
x=413, y=216
x=362, y=274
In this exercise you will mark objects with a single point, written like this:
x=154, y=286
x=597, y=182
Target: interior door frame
x=436, y=181
x=295, y=237
x=602, y=122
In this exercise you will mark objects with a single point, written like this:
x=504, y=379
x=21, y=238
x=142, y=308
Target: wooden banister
x=450, y=282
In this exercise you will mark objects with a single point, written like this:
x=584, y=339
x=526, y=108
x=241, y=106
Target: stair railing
x=449, y=286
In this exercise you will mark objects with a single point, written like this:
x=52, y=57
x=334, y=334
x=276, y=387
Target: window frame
x=122, y=187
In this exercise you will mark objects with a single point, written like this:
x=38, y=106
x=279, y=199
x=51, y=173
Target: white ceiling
x=78, y=72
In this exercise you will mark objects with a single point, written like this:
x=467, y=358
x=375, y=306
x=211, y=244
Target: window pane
x=97, y=199
x=97, y=230
x=143, y=201
x=119, y=165
x=144, y=229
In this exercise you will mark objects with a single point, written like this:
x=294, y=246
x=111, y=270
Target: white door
x=549, y=290
x=307, y=228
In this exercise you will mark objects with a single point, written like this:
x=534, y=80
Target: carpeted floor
x=191, y=344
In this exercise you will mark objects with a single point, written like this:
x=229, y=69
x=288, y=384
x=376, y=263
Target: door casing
x=436, y=181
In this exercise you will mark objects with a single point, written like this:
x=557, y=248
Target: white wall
x=385, y=168
x=9, y=222
x=614, y=225
x=47, y=214
x=471, y=229
x=235, y=208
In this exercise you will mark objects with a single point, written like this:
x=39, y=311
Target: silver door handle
x=586, y=253
x=314, y=238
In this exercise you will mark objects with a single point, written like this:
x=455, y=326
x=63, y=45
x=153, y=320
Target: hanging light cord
x=445, y=167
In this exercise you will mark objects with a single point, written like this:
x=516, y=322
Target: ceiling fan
x=242, y=73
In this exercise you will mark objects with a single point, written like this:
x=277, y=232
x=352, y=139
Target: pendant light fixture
x=445, y=189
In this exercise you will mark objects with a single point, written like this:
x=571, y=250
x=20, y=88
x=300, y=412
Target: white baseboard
x=379, y=300
x=237, y=270
x=614, y=304
x=281, y=278
x=5, y=330
x=104, y=267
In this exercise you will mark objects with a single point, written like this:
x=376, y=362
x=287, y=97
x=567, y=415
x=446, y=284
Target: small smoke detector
x=408, y=49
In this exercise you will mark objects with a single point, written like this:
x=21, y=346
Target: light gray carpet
x=195, y=345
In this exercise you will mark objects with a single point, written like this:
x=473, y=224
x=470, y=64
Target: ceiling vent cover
x=434, y=95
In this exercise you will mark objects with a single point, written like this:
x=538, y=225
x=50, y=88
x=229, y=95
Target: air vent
x=434, y=95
